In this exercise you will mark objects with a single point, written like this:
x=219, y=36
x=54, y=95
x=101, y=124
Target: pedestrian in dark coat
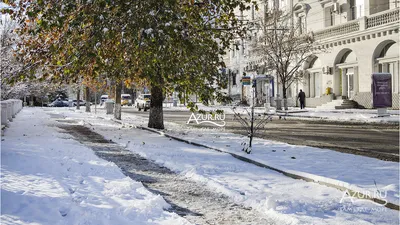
x=302, y=98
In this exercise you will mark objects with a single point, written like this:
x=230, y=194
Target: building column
x=366, y=7
x=397, y=75
x=336, y=81
x=319, y=83
x=356, y=80
x=312, y=85
x=394, y=70
x=344, y=83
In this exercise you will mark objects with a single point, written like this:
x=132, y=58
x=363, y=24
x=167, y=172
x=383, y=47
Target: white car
x=126, y=99
x=103, y=98
x=143, y=102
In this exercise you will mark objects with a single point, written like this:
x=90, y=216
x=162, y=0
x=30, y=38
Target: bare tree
x=283, y=46
x=252, y=122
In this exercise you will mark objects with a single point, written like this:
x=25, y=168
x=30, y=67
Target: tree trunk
x=117, y=106
x=250, y=145
x=252, y=122
x=156, y=119
x=251, y=130
x=87, y=99
x=284, y=89
x=78, y=97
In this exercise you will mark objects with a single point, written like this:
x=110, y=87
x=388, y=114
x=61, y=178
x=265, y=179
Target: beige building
x=358, y=38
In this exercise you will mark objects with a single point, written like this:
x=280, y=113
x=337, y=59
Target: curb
x=353, y=193
x=341, y=121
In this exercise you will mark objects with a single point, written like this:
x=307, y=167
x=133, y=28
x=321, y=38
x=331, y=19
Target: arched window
x=387, y=61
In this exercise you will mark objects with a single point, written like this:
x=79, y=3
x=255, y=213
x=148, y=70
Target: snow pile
x=49, y=178
x=345, y=115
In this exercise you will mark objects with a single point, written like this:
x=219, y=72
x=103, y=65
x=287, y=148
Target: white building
x=359, y=37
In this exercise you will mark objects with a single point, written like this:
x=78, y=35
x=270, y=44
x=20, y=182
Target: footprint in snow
x=71, y=191
x=63, y=211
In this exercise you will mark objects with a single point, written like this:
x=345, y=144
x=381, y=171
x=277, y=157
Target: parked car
x=143, y=102
x=103, y=98
x=59, y=103
x=126, y=99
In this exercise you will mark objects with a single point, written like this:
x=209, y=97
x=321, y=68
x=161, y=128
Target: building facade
x=356, y=39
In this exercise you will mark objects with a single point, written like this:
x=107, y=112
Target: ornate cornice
x=323, y=2
x=300, y=8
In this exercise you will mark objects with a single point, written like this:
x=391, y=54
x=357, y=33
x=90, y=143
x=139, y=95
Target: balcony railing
x=338, y=30
x=360, y=24
x=384, y=18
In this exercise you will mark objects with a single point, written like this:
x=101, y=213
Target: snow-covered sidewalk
x=355, y=172
x=285, y=200
x=49, y=178
x=343, y=115
x=46, y=175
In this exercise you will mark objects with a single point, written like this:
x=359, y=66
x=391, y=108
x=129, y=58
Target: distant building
x=359, y=37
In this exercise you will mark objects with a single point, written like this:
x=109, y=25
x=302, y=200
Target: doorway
x=317, y=85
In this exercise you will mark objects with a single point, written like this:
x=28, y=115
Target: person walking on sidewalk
x=302, y=98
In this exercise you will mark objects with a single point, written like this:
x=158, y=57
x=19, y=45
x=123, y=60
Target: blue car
x=58, y=103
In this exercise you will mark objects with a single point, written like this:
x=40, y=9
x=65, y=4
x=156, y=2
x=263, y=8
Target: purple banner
x=382, y=90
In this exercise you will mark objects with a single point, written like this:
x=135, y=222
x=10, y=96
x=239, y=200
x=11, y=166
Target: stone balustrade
x=338, y=30
x=9, y=108
x=362, y=23
x=383, y=18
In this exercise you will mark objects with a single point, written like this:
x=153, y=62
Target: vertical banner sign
x=246, y=80
x=382, y=90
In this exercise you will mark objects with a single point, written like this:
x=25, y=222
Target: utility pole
x=291, y=13
x=252, y=120
x=276, y=9
x=275, y=13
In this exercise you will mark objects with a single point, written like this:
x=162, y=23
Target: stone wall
x=314, y=102
x=290, y=101
x=395, y=101
x=364, y=99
